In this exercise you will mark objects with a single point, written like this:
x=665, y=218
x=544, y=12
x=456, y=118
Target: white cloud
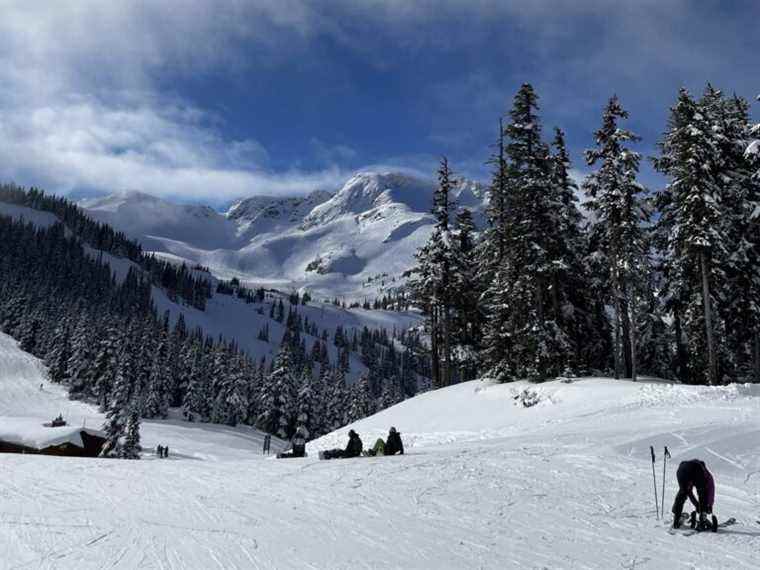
x=80, y=108
x=84, y=98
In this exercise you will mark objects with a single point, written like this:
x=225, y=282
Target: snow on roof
x=29, y=432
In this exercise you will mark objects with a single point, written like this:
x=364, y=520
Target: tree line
x=179, y=281
x=662, y=281
x=103, y=338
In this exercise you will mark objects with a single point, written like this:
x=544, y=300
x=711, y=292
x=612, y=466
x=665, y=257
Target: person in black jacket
x=393, y=444
x=354, y=447
x=298, y=445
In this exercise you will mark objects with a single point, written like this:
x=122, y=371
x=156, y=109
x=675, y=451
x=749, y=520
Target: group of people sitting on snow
x=390, y=446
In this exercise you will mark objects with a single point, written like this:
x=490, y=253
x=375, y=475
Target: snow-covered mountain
x=266, y=214
x=355, y=242
x=153, y=219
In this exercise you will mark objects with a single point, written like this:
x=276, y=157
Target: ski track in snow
x=565, y=484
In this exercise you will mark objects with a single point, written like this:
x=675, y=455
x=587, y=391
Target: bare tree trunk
x=632, y=333
x=555, y=298
x=540, y=314
x=446, y=376
x=617, y=337
x=713, y=371
x=435, y=363
x=616, y=296
x=681, y=357
x=625, y=341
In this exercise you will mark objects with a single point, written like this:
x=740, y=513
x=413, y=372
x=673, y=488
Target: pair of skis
x=666, y=455
x=694, y=526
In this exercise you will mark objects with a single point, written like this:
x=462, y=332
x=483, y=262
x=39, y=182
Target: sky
x=208, y=101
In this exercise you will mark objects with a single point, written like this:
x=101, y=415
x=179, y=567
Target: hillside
x=354, y=243
x=228, y=315
x=485, y=483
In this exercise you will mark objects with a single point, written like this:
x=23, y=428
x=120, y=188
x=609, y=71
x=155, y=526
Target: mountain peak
x=248, y=209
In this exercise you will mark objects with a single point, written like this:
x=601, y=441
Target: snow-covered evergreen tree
x=618, y=237
x=120, y=405
x=523, y=336
x=432, y=284
x=705, y=232
x=131, y=448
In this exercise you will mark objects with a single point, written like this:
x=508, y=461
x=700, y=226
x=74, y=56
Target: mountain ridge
x=353, y=243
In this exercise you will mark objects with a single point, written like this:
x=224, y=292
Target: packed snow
x=486, y=483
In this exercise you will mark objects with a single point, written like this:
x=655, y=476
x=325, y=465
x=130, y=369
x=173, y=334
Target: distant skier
x=694, y=474
x=353, y=449
x=159, y=451
x=166, y=452
x=298, y=445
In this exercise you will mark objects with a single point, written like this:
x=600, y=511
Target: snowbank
x=476, y=411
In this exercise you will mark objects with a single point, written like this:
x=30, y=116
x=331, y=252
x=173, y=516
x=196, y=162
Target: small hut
x=22, y=435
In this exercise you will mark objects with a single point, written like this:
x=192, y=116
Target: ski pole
x=654, y=479
x=665, y=457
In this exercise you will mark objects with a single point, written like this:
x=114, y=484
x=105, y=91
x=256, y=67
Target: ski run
x=485, y=483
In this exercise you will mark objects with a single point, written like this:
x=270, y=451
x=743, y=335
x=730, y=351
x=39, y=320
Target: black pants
x=332, y=454
x=683, y=491
x=685, y=485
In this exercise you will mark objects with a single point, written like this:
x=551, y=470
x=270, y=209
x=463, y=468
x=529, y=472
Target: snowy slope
x=24, y=405
x=39, y=219
x=226, y=315
x=266, y=214
x=486, y=483
x=152, y=219
x=355, y=243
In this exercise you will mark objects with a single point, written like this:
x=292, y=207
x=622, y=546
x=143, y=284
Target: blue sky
x=209, y=101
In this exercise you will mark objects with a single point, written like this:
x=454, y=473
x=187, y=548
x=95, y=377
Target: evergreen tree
x=705, y=233
x=523, y=336
x=467, y=320
x=432, y=281
x=119, y=406
x=617, y=234
x=131, y=447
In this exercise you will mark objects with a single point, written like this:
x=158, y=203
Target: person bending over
x=691, y=475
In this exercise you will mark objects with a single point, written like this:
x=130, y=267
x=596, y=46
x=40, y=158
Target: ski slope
x=486, y=483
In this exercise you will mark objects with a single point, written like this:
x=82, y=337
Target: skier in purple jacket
x=694, y=474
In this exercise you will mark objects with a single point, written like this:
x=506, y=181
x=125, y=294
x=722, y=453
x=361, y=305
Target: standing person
x=394, y=445
x=166, y=452
x=159, y=451
x=694, y=474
